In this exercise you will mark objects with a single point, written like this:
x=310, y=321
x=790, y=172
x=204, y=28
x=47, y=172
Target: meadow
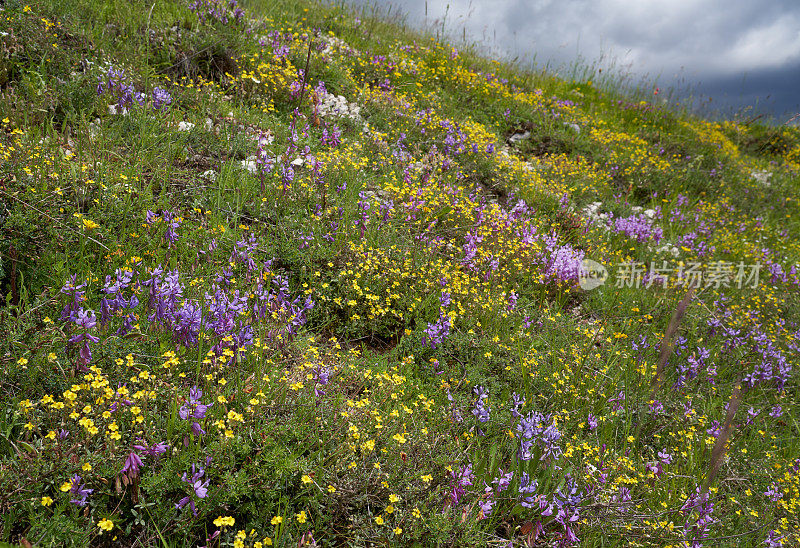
x=289, y=273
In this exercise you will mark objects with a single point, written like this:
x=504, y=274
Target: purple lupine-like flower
x=186, y=324
x=698, y=504
x=564, y=262
x=84, y=320
x=655, y=468
x=79, y=491
x=622, y=498
x=161, y=98
x=134, y=461
x=517, y=402
x=774, y=539
x=198, y=486
x=321, y=378
x=132, y=465
x=193, y=408
x=639, y=227
x=119, y=87
x=486, y=505
x=363, y=207
x=173, y=222
x=566, y=503
x=437, y=332
x=527, y=487
x=460, y=481
x=264, y=161
x=114, y=301
x=74, y=290
x=503, y=480
x=512, y=301
x=456, y=414
x=155, y=450
x=617, y=401
x=221, y=11
x=481, y=411
x=287, y=173
x=592, y=421
x=773, y=493
x=656, y=406
x=538, y=430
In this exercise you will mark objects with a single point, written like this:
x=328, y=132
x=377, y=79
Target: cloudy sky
x=738, y=53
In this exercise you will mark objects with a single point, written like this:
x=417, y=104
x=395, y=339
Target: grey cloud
x=707, y=41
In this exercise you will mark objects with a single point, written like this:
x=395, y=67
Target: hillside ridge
x=289, y=273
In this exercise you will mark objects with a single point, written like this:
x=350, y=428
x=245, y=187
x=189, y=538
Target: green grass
x=391, y=306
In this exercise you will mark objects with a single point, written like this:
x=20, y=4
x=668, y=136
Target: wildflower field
x=284, y=273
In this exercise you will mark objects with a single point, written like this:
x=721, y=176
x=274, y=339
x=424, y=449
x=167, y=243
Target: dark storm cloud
x=762, y=92
x=743, y=50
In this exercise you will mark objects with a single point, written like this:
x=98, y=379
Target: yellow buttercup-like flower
x=224, y=521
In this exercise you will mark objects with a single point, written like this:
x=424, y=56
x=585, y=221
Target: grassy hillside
x=286, y=274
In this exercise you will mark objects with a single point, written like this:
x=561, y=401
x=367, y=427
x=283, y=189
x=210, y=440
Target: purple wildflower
x=198, y=486
x=460, y=481
x=155, y=450
x=436, y=333
x=774, y=539
x=132, y=464
x=85, y=320
x=539, y=430
x=639, y=227
x=481, y=411
x=527, y=487
x=79, y=491
x=194, y=409
x=518, y=402
x=773, y=493
x=161, y=98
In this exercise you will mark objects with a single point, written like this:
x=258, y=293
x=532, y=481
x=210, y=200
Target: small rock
x=668, y=248
x=250, y=164
x=518, y=137
x=762, y=177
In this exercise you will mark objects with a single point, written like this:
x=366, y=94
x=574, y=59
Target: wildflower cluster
x=350, y=302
